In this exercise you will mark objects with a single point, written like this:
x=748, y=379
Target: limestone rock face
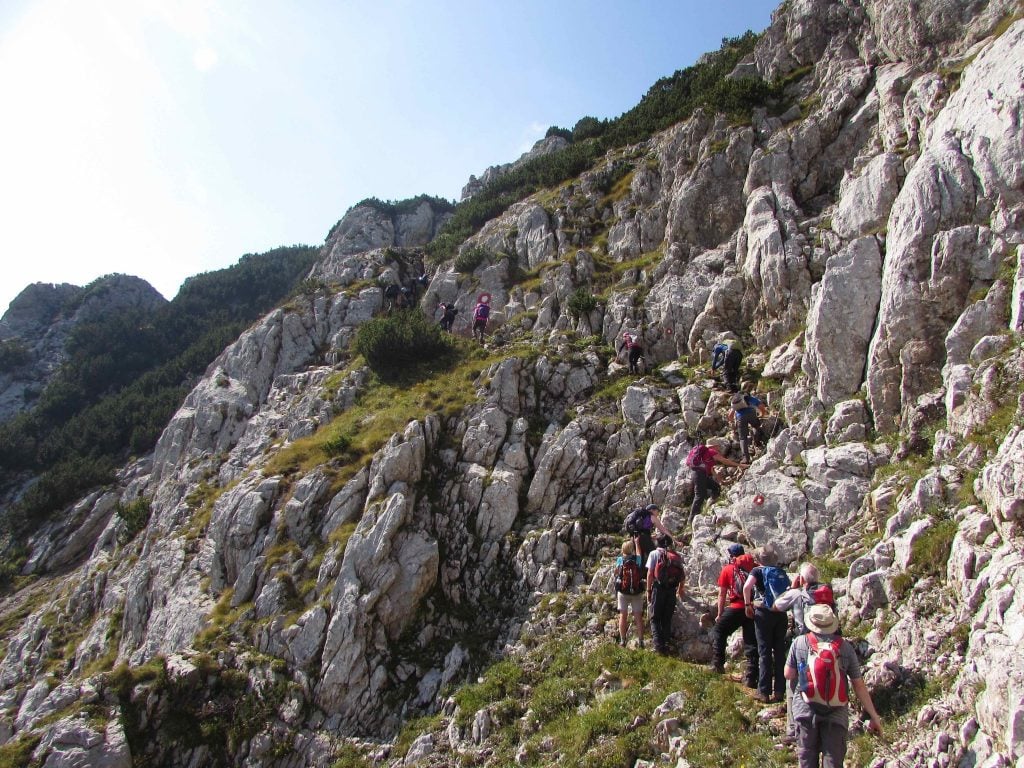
x=544, y=146
x=347, y=551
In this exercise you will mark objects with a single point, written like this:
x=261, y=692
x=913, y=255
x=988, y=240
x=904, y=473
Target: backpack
x=629, y=577
x=391, y=291
x=638, y=521
x=668, y=570
x=739, y=402
x=776, y=581
x=739, y=578
x=733, y=359
x=822, y=682
x=697, y=458
x=482, y=312
x=822, y=595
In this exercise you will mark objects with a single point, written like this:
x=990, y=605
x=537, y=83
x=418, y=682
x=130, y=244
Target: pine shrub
x=396, y=345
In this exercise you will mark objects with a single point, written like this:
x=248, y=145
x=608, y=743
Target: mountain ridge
x=325, y=556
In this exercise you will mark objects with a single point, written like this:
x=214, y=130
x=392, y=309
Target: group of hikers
x=804, y=662
x=405, y=294
x=793, y=649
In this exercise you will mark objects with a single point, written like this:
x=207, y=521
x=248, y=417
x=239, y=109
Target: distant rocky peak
x=374, y=224
x=545, y=146
x=43, y=316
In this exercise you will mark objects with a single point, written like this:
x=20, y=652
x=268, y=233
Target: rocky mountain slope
x=313, y=557
x=35, y=329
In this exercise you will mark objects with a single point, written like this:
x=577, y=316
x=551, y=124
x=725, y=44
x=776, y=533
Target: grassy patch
x=381, y=411
x=573, y=725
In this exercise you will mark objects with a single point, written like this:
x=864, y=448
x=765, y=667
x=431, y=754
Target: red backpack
x=698, y=457
x=668, y=570
x=629, y=577
x=822, y=683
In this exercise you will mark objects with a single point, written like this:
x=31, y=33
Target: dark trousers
x=745, y=420
x=635, y=353
x=663, y=606
x=733, y=619
x=704, y=485
x=644, y=544
x=770, y=630
x=731, y=374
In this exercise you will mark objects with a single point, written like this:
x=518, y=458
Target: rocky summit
x=319, y=565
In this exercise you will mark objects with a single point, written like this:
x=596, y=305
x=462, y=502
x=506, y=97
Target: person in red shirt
x=702, y=473
x=732, y=614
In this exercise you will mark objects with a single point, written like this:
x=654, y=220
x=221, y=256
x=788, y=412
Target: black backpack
x=638, y=521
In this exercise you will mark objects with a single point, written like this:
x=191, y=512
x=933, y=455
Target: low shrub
x=582, y=302
x=401, y=342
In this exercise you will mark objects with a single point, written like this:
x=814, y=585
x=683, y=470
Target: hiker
x=745, y=412
x=807, y=590
x=392, y=294
x=701, y=460
x=448, y=313
x=732, y=614
x=631, y=344
x=481, y=312
x=666, y=580
x=822, y=662
x=769, y=582
x=640, y=523
x=731, y=366
x=630, y=587
x=718, y=353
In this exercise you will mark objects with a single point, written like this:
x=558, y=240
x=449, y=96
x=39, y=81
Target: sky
x=165, y=138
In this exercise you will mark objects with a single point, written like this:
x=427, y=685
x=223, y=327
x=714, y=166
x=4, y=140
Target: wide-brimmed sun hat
x=821, y=619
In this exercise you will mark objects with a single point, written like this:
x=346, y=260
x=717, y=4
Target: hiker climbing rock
x=640, y=524
x=448, y=313
x=732, y=614
x=766, y=583
x=630, y=589
x=701, y=460
x=807, y=590
x=631, y=345
x=718, y=353
x=481, y=313
x=744, y=413
x=666, y=582
x=731, y=366
x=823, y=665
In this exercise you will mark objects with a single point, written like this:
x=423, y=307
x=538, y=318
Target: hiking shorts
x=631, y=603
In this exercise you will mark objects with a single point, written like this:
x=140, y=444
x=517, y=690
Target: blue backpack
x=776, y=581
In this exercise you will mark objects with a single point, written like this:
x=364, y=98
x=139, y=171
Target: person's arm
x=721, y=602
x=719, y=459
x=748, y=595
x=659, y=525
x=785, y=601
x=864, y=697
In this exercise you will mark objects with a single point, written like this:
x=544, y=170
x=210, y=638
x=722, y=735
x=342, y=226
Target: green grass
x=382, y=410
x=570, y=723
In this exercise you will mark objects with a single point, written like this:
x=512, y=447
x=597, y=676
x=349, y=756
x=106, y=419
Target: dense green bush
x=13, y=355
x=471, y=258
x=582, y=302
x=398, y=344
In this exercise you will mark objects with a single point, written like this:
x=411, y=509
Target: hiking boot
x=641, y=645
x=762, y=698
x=716, y=668
x=778, y=698
x=618, y=641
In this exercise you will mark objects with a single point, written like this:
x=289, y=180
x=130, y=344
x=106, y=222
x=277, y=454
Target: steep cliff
x=313, y=556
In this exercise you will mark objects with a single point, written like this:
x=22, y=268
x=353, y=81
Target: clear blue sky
x=163, y=138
